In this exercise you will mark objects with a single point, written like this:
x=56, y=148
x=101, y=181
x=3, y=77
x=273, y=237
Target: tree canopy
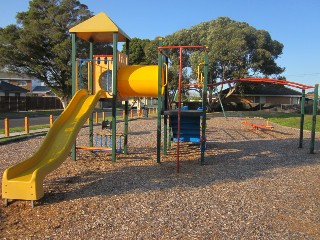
x=236, y=50
x=39, y=45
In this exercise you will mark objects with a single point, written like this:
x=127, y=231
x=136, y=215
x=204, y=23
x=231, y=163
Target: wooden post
x=51, y=120
x=6, y=127
x=26, y=124
x=131, y=113
x=97, y=117
x=123, y=114
x=103, y=116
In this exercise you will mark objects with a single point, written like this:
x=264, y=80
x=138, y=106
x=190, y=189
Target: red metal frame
x=179, y=90
x=266, y=80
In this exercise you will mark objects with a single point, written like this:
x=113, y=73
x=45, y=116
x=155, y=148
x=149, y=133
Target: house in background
x=17, y=80
x=265, y=94
x=10, y=90
x=42, y=91
x=310, y=97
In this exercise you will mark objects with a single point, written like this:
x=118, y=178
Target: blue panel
x=189, y=128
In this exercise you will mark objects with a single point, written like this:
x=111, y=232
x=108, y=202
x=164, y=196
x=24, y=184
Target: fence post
x=51, y=120
x=97, y=117
x=6, y=127
x=26, y=124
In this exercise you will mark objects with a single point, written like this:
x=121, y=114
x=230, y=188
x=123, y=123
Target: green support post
x=303, y=97
x=204, y=106
x=126, y=112
x=159, y=103
x=90, y=83
x=314, y=118
x=126, y=120
x=165, y=118
x=114, y=96
x=170, y=135
x=73, y=66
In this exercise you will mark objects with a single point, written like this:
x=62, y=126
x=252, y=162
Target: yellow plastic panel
x=25, y=179
x=99, y=28
x=102, y=72
x=138, y=81
x=100, y=76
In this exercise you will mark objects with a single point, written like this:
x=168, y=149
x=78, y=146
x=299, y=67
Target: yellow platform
x=25, y=180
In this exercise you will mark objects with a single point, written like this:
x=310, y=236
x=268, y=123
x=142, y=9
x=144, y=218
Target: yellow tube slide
x=139, y=81
x=25, y=179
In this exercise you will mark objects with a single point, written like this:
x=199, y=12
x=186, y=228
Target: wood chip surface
x=254, y=185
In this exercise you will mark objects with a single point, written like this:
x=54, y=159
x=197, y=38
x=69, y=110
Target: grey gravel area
x=254, y=185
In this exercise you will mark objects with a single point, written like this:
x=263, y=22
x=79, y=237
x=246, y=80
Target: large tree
x=39, y=45
x=236, y=49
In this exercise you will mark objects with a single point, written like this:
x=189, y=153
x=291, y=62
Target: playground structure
x=303, y=89
x=185, y=124
x=110, y=76
x=257, y=126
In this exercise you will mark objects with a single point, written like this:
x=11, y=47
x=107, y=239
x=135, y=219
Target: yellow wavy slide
x=25, y=180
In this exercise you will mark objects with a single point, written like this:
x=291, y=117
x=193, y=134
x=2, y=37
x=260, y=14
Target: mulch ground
x=253, y=185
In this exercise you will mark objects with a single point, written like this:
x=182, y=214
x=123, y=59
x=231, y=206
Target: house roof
x=42, y=89
x=13, y=76
x=7, y=87
x=99, y=28
x=267, y=90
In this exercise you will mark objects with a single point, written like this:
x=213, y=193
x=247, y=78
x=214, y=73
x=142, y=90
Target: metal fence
x=16, y=104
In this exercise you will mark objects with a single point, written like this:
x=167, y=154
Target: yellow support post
x=6, y=127
x=103, y=116
x=131, y=113
x=123, y=114
x=26, y=124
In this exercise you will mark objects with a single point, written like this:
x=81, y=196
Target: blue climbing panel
x=189, y=125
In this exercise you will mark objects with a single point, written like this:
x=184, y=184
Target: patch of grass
x=281, y=118
x=21, y=129
x=12, y=115
x=294, y=122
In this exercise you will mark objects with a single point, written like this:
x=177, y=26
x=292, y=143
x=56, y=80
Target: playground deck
x=254, y=185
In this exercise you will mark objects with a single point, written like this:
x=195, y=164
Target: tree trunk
x=64, y=102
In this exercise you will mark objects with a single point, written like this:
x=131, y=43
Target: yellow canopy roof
x=99, y=28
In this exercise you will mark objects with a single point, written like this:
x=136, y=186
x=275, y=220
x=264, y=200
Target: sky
x=294, y=23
